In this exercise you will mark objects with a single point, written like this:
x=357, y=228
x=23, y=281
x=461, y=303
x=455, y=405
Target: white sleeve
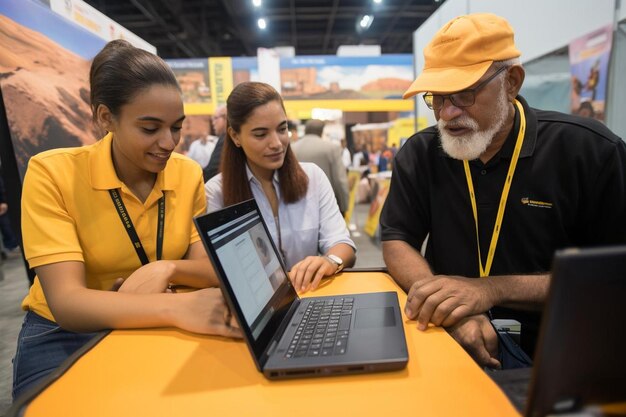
x=347, y=160
x=213, y=192
x=193, y=150
x=332, y=227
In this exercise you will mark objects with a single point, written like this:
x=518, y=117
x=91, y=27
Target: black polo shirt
x=569, y=189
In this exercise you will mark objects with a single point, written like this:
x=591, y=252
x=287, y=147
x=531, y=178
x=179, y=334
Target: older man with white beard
x=494, y=189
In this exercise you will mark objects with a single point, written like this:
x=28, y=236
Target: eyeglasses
x=463, y=98
x=217, y=116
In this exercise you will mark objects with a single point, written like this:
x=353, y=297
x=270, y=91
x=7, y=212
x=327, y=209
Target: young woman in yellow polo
x=108, y=227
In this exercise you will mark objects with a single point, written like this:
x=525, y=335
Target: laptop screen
x=251, y=266
x=252, y=274
x=580, y=358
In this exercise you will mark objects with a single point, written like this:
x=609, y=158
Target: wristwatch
x=336, y=260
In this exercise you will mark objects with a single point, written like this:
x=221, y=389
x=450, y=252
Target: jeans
x=8, y=237
x=41, y=347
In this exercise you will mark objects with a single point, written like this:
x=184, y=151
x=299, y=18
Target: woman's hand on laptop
x=308, y=273
x=204, y=311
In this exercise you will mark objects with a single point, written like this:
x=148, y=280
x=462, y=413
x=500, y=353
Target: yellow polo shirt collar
x=102, y=175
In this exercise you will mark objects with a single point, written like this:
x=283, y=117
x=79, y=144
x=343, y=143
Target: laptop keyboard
x=323, y=329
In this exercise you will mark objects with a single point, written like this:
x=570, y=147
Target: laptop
x=580, y=360
x=289, y=336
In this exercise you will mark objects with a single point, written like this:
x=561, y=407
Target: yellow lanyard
x=484, y=272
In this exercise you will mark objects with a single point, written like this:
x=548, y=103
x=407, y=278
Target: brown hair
x=120, y=71
x=241, y=102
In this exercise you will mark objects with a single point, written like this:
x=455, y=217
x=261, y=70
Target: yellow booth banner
x=354, y=175
x=371, y=224
x=221, y=75
x=350, y=84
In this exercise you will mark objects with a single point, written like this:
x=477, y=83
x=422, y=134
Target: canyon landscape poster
x=44, y=76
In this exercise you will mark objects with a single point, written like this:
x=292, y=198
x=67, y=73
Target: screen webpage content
x=252, y=269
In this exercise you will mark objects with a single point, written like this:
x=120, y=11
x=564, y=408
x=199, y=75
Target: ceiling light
x=256, y=3
x=261, y=23
x=366, y=21
x=378, y=1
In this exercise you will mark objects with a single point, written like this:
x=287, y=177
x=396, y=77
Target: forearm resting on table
x=78, y=308
x=405, y=264
x=526, y=292
x=86, y=310
x=195, y=273
x=195, y=270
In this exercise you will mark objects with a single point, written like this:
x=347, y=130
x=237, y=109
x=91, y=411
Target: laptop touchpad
x=374, y=317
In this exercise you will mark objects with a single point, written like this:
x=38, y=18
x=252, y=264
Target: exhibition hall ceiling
x=201, y=28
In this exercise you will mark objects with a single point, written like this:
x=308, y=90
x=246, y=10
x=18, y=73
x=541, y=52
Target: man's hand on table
x=445, y=300
x=478, y=337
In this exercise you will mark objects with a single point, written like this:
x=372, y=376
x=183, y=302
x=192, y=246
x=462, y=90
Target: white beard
x=475, y=143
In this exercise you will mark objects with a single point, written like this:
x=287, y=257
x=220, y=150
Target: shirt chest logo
x=536, y=203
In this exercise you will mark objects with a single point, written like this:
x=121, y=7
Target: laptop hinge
x=272, y=348
x=280, y=331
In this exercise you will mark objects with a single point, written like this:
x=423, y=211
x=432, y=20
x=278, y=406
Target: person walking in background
x=10, y=245
x=497, y=186
x=394, y=150
x=346, y=157
x=219, y=127
x=326, y=155
x=361, y=158
x=201, y=149
x=115, y=215
x=384, y=159
x=295, y=199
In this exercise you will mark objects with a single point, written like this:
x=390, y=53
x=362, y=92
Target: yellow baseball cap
x=461, y=52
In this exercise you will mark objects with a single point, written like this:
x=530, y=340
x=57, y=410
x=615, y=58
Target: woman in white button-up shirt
x=296, y=199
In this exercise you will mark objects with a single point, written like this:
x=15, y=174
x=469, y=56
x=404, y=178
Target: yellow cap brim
x=447, y=80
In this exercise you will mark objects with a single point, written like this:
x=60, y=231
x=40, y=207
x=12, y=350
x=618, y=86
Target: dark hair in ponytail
x=120, y=71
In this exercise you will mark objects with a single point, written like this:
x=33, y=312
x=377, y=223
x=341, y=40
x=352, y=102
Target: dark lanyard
x=130, y=228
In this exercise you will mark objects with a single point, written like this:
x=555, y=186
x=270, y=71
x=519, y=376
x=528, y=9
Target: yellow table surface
x=169, y=372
